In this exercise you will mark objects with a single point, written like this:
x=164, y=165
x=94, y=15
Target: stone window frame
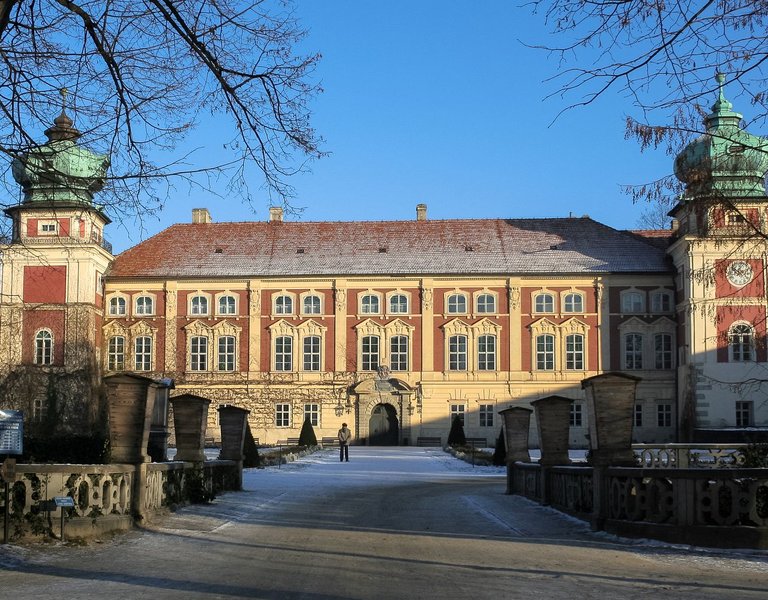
x=538, y=303
x=662, y=353
x=227, y=354
x=282, y=357
x=485, y=415
x=472, y=333
x=657, y=301
x=486, y=293
x=150, y=352
x=648, y=330
x=304, y=296
x=385, y=332
x=194, y=301
x=572, y=293
x=628, y=308
x=733, y=343
x=366, y=300
x=452, y=300
x=279, y=300
x=113, y=303
x=560, y=333
x=311, y=354
x=152, y=304
x=222, y=296
x=43, y=346
x=283, y=416
x=308, y=328
x=397, y=294
x=221, y=329
x=112, y=354
x=400, y=352
x=494, y=354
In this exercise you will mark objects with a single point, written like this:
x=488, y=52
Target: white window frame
x=570, y=300
x=370, y=358
x=228, y=302
x=47, y=227
x=282, y=356
x=312, y=410
x=741, y=344
x=312, y=301
x=745, y=413
x=544, y=303
x=637, y=415
x=487, y=359
x=632, y=351
x=661, y=302
x=576, y=414
x=118, y=307
x=370, y=303
x=43, y=347
x=199, y=305
x=284, y=304
x=456, y=303
x=458, y=349
x=199, y=353
x=663, y=358
x=397, y=303
x=632, y=302
x=315, y=355
x=664, y=415
x=115, y=354
x=399, y=357
x=545, y=352
x=142, y=357
x=460, y=410
x=228, y=357
x=485, y=415
x=574, y=356
x=282, y=415
x=485, y=303
x=140, y=305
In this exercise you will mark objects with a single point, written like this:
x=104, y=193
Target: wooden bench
x=428, y=441
x=477, y=442
x=330, y=441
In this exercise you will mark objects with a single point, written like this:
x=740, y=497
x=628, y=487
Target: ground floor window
x=457, y=410
x=312, y=412
x=576, y=417
x=664, y=415
x=638, y=415
x=486, y=415
x=282, y=415
x=744, y=414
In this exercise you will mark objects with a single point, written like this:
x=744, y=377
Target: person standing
x=344, y=436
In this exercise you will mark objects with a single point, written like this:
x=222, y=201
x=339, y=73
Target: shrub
x=756, y=456
x=500, y=452
x=456, y=437
x=307, y=436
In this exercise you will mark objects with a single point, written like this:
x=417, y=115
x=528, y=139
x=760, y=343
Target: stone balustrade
x=667, y=456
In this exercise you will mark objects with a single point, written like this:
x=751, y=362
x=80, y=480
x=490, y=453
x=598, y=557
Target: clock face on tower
x=739, y=273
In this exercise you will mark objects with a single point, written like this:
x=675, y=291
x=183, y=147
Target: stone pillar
x=552, y=423
x=190, y=416
x=517, y=423
x=233, y=421
x=130, y=400
x=610, y=405
x=158, y=433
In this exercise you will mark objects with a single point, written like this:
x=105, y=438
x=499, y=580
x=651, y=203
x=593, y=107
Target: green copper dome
x=726, y=161
x=60, y=171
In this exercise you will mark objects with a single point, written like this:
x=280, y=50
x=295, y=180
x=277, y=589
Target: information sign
x=11, y=432
x=64, y=501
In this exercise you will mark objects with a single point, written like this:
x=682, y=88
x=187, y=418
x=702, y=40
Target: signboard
x=64, y=501
x=11, y=432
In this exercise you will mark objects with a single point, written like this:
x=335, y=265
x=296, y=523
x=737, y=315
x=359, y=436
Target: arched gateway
x=383, y=412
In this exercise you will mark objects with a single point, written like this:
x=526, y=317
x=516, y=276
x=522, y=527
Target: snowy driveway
x=391, y=523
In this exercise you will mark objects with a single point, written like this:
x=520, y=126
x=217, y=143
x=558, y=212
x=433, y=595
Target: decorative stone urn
x=610, y=405
x=517, y=422
x=233, y=421
x=190, y=417
x=552, y=423
x=130, y=401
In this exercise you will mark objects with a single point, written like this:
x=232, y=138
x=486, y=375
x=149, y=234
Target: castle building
x=396, y=327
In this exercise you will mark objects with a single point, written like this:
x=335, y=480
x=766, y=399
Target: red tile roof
x=430, y=247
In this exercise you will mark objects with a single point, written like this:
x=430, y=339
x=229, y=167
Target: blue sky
x=442, y=103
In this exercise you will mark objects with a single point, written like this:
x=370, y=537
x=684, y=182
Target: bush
x=756, y=456
x=74, y=449
x=197, y=491
x=456, y=437
x=500, y=452
x=307, y=436
x=250, y=450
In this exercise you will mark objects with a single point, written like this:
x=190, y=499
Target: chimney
x=675, y=225
x=275, y=214
x=421, y=212
x=201, y=215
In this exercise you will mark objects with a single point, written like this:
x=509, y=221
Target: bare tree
x=141, y=75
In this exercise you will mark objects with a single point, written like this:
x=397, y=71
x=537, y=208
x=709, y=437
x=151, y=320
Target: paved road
x=392, y=523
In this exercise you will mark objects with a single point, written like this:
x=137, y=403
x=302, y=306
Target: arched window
x=457, y=353
x=199, y=305
x=545, y=303
x=398, y=304
x=284, y=353
x=116, y=306
x=661, y=302
x=144, y=305
x=283, y=305
x=227, y=305
x=457, y=304
x=116, y=353
x=370, y=352
x=369, y=305
x=741, y=342
x=486, y=352
x=43, y=347
x=143, y=354
x=545, y=352
x=398, y=353
x=311, y=305
x=574, y=352
x=573, y=303
x=633, y=351
x=486, y=303
x=632, y=302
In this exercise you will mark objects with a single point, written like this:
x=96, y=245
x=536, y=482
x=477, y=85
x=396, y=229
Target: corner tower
x=51, y=307
x=720, y=257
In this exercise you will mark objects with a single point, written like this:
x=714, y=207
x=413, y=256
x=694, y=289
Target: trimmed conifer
x=307, y=436
x=500, y=452
x=456, y=436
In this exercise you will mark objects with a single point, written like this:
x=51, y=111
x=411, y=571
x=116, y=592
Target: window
x=457, y=304
x=39, y=410
x=312, y=353
x=227, y=305
x=198, y=355
x=661, y=302
x=486, y=353
x=633, y=351
x=199, y=305
x=144, y=305
x=43, y=348
x=284, y=353
x=457, y=353
x=664, y=415
x=283, y=305
x=486, y=303
x=662, y=343
x=544, y=303
x=632, y=302
x=48, y=228
x=311, y=305
x=282, y=415
x=574, y=352
x=398, y=353
x=576, y=415
x=638, y=415
x=398, y=304
x=573, y=303
x=457, y=410
x=545, y=352
x=370, y=352
x=226, y=353
x=486, y=415
x=744, y=413
x=117, y=306
x=369, y=305
x=116, y=353
x=312, y=412
x=741, y=342
x=143, y=354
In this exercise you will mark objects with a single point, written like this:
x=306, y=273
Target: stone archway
x=383, y=426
